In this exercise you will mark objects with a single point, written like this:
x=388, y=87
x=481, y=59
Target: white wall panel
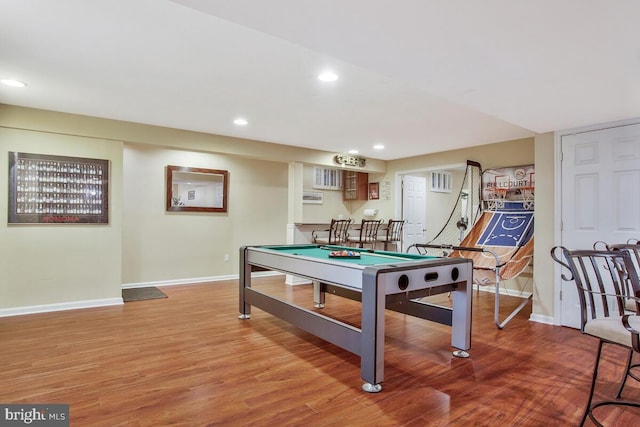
x=586, y=154
x=627, y=204
x=585, y=202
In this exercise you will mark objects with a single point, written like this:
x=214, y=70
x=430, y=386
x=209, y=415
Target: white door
x=600, y=195
x=413, y=209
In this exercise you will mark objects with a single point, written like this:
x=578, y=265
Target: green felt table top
x=367, y=257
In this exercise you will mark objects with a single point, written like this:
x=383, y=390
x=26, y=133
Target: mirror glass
x=196, y=189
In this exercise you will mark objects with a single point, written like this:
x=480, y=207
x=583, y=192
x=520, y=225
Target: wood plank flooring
x=188, y=360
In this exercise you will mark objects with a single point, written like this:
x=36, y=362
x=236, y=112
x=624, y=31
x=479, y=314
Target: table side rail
x=428, y=274
x=432, y=312
x=351, y=275
x=341, y=334
x=406, y=303
x=341, y=274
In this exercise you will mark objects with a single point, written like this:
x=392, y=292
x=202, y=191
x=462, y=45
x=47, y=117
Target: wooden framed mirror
x=196, y=189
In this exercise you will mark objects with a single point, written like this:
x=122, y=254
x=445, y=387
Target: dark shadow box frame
x=48, y=189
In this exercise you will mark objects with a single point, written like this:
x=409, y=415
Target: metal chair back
x=601, y=278
x=339, y=231
x=394, y=232
x=337, y=234
x=368, y=233
x=633, y=247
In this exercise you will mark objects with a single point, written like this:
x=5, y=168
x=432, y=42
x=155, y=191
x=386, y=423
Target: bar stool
x=393, y=234
x=337, y=233
x=368, y=233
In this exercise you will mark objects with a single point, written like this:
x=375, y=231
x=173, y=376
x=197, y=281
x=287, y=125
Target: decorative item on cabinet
x=349, y=160
x=355, y=185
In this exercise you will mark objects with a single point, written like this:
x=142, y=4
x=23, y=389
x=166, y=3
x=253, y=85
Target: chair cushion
x=612, y=329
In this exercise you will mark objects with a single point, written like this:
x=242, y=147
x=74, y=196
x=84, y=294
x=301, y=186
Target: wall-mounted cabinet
x=355, y=185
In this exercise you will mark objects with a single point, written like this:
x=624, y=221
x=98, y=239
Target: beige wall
x=537, y=150
x=50, y=267
x=134, y=133
x=438, y=206
x=507, y=153
x=168, y=246
x=501, y=154
x=543, y=274
x=332, y=205
x=58, y=266
x=55, y=263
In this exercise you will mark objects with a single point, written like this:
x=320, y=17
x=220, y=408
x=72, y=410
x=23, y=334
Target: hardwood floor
x=188, y=360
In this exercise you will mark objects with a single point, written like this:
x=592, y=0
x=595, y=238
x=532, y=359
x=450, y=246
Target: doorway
x=599, y=197
x=424, y=210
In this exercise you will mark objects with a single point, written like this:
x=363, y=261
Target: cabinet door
x=355, y=185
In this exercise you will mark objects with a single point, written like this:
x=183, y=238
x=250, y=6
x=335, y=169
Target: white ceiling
x=418, y=76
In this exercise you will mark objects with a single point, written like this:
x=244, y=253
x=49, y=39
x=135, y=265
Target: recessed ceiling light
x=328, y=76
x=378, y=147
x=13, y=83
x=353, y=151
x=240, y=122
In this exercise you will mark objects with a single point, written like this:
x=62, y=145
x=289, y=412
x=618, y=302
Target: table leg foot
x=461, y=353
x=244, y=316
x=371, y=388
x=318, y=305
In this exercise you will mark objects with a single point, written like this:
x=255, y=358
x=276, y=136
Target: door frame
x=399, y=184
x=557, y=201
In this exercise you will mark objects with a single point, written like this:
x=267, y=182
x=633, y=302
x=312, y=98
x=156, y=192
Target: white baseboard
x=547, y=320
x=192, y=281
x=196, y=280
x=503, y=291
x=75, y=305
x=296, y=280
x=46, y=308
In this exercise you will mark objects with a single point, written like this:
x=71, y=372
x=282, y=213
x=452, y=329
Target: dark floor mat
x=141, y=294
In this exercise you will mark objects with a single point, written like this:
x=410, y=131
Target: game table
x=379, y=279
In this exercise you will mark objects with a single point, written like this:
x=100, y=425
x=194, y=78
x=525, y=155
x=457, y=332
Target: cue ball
x=403, y=282
x=455, y=274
